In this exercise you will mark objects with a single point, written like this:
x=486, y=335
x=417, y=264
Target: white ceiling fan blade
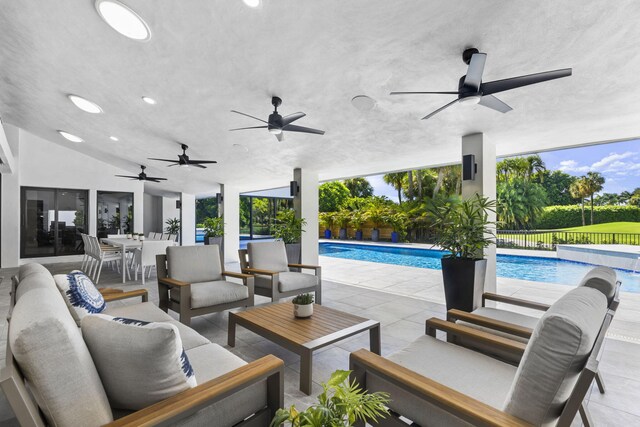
x=494, y=103
x=475, y=70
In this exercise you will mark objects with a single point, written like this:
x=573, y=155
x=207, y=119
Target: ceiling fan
x=277, y=124
x=185, y=161
x=472, y=90
x=143, y=176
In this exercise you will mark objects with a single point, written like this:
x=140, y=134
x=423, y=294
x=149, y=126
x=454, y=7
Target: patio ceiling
x=208, y=57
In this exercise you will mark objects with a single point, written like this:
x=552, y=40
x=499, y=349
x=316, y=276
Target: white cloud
x=612, y=157
x=572, y=166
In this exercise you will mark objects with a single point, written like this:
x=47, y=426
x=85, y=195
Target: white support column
x=485, y=185
x=187, y=219
x=10, y=225
x=138, y=209
x=93, y=206
x=305, y=204
x=230, y=209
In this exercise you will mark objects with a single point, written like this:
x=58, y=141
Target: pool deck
x=426, y=284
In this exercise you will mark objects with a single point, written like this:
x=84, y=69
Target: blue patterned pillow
x=140, y=363
x=80, y=294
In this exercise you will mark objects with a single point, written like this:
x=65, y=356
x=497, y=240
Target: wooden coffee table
x=277, y=323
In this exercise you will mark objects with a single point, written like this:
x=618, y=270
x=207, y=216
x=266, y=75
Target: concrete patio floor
x=401, y=305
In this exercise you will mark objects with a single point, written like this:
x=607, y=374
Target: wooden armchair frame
x=365, y=364
x=183, y=307
x=274, y=293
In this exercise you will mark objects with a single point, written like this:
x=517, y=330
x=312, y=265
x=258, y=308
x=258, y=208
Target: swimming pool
x=536, y=269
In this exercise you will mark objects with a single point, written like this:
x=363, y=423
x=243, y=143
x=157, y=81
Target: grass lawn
x=611, y=227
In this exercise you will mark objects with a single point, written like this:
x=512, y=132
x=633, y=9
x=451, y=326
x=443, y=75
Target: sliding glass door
x=52, y=221
x=115, y=213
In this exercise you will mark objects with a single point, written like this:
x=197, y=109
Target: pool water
x=536, y=269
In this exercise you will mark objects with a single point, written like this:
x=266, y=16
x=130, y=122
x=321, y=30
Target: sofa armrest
x=172, y=282
x=487, y=322
x=364, y=363
x=512, y=346
x=115, y=296
x=188, y=402
x=249, y=270
x=514, y=301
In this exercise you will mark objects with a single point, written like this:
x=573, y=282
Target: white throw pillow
x=80, y=294
x=140, y=363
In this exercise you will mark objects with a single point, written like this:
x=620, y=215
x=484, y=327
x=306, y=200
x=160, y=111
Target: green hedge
x=554, y=217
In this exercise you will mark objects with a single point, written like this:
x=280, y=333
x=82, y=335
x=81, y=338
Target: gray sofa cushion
x=555, y=355
x=140, y=363
x=268, y=255
x=290, y=281
x=49, y=348
x=193, y=264
x=207, y=294
x=80, y=294
x=27, y=270
x=38, y=280
x=603, y=279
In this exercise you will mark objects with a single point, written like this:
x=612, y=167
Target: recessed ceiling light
x=85, y=104
x=252, y=3
x=122, y=19
x=114, y=138
x=363, y=102
x=149, y=101
x=71, y=137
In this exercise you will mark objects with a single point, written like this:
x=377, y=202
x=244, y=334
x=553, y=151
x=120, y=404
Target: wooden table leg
x=374, y=339
x=231, y=338
x=306, y=369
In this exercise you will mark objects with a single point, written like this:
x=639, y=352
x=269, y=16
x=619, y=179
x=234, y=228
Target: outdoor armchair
x=273, y=276
x=192, y=282
x=433, y=382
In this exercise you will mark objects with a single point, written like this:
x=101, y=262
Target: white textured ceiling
x=207, y=57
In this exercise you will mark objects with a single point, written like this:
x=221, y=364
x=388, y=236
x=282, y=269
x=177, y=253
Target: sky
x=619, y=162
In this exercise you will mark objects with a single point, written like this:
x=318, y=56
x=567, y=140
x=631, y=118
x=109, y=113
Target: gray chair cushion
x=211, y=360
x=208, y=294
x=193, y=264
x=50, y=351
x=603, y=279
x=290, y=281
x=80, y=294
x=140, y=363
x=555, y=356
x=31, y=268
x=268, y=256
x=39, y=280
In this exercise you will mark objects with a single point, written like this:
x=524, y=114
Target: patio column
x=484, y=184
x=305, y=203
x=230, y=209
x=187, y=219
x=10, y=192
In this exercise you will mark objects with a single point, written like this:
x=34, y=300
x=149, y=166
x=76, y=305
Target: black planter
x=375, y=235
x=359, y=235
x=342, y=235
x=294, y=254
x=463, y=282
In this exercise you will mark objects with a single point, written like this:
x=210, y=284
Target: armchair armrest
x=259, y=271
x=184, y=404
x=115, y=296
x=487, y=322
x=307, y=266
x=172, y=282
x=515, y=347
x=514, y=301
x=236, y=275
x=458, y=404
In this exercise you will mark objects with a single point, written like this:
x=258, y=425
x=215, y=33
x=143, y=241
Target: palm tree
x=418, y=173
x=578, y=190
x=410, y=184
x=535, y=166
x=396, y=180
x=594, y=182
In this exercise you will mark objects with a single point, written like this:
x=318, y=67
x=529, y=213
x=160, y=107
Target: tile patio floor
x=401, y=305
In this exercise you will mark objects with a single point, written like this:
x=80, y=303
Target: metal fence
x=548, y=239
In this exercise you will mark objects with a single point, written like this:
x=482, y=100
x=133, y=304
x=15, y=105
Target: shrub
x=554, y=217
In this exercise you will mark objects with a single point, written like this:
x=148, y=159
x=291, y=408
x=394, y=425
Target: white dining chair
x=146, y=256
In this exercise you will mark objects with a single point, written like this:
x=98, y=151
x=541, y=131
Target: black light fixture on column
x=294, y=188
x=219, y=198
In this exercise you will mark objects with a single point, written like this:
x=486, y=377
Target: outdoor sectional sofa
x=51, y=377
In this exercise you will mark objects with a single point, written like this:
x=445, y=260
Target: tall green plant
x=287, y=227
x=328, y=219
x=377, y=214
x=463, y=228
x=173, y=226
x=357, y=219
x=213, y=227
x=343, y=218
x=341, y=404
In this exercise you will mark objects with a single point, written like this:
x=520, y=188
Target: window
x=115, y=213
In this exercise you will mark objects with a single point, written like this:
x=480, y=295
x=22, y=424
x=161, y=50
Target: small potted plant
x=213, y=231
x=173, y=226
x=303, y=305
x=463, y=229
x=135, y=236
x=129, y=236
x=289, y=229
x=327, y=219
x=341, y=403
x=377, y=215
x=358, y=218
x=140, y=236
x=343, y=218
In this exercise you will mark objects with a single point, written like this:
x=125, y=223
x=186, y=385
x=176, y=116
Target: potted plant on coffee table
x=303, y=305
x=341, y=403
x=289, y=229
x=464, y=230
x=328, y=220
x=358, y=218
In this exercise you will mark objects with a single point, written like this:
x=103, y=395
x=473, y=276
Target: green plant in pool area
x=463, y=228
x=303, y=299
x=287, y=227
x=341, y=404
x=173, y=226
x=377, y=214
x=213, y=227
x=399, y=222
x=358, y=218
x=343, y=218
x=327, y=219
